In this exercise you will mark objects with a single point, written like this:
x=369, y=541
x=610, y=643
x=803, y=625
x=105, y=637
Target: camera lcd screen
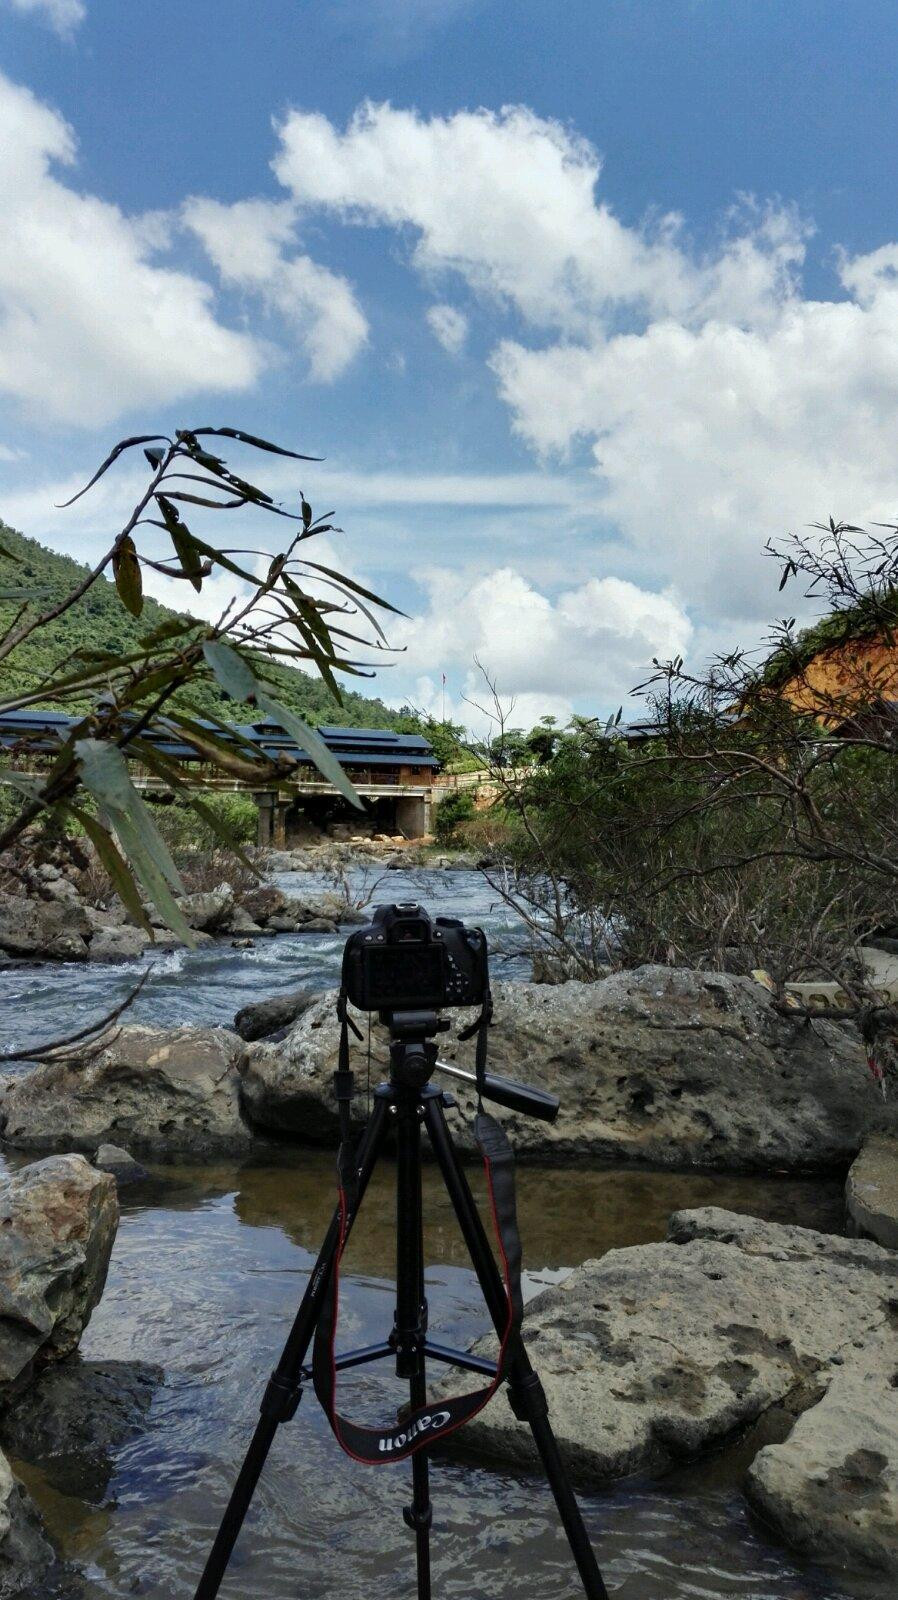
x=406, y=976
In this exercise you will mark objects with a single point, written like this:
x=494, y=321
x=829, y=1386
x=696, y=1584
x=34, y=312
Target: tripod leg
x=525, y=1390
x=410, y=1329
x=283, y=1392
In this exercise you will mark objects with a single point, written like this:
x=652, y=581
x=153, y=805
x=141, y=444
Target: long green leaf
x=250, y=438
x=231, y=671
x=117, y=868
x=188, y=555
x=223, y=755
x=219, y=827
x=172, y=628
x=128, y=580
x=357, y=588
x=222, y=560
x=313, y=744
x=105, y=773
x=123, y=444
x=31, y=788
x=134, y=843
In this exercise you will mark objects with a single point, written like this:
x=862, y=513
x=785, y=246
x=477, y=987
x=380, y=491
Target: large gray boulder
x=209, y=909
x=831, y=1488
x=58, y=1220
x=73, y=1419
x=656, y=1353
x=118, y=943
x=29, y=1565
x=871, y=1190
x=152, y=1089
x=262, y=1018
x=658, y=1064
x=43, y=929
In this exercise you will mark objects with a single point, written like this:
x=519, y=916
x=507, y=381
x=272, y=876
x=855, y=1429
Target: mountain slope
x=99, y=620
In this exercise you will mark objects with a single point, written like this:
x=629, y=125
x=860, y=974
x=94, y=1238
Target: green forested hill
x=100, y=621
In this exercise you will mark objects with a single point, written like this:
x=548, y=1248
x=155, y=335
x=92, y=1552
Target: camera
x=405, y=961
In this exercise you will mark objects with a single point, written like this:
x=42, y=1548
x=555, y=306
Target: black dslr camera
x=404, y=961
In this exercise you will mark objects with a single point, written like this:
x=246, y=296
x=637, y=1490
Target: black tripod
x=403, y=1104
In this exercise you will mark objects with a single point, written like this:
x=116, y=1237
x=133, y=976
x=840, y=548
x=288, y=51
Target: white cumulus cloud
x=90, y=325
x=721, y=404
x=507, y=199
x=62, y=15
x=248, y=243
x=449, y=327
x=591, y=643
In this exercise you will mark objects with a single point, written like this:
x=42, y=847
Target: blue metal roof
x=365, y=747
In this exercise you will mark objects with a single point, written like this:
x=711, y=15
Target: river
x=207, y=1269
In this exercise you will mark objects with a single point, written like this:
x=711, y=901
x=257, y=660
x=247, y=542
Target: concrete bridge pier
x=271, y=828
x=413, y=815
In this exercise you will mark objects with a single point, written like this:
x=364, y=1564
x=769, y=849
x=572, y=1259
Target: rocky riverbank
x=656, y=1354
x=55, y=911
x=58, y=1221
x=60, y=925
x=653, y=1356
x=656, y=1065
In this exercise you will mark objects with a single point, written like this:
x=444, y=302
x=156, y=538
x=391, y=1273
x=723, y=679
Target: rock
x=832, y=1487
x=658, y=1065
x=278, y=860
x=106, y=917
x=261, y=903
x=118, y=944
x=112, y=1158
x=58, y=1220
x=661, y=1351
x=164, y=939
x=208, y=910
x=871, y=1190
x=158, y=1089
x=61, y=890
x=322, y=914
x=240, y=921
x=27, y=1558
x=73, y=1418
x=278, y=1011
x=43, y=929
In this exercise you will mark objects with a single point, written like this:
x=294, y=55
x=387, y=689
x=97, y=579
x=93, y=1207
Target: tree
x=756, y=823
x=288, y=607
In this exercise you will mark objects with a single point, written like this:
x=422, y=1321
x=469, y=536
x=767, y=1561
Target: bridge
x=392, y=772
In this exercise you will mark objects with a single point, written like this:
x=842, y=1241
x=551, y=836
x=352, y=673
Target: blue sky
x=587, y=304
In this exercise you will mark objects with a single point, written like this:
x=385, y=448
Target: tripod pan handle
x=519, y=1097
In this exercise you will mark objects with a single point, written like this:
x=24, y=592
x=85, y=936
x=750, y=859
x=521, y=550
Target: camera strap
x=344, y=1080
x=425, y=1425
x=480, y=1027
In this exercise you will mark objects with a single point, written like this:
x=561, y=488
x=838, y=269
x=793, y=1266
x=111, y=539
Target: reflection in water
x=207, y=1271
x=208, y=1267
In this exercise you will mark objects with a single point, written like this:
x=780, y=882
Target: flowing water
x=209, y=984
x=209, y=1264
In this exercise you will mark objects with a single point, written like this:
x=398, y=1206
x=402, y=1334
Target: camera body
x=404, y=961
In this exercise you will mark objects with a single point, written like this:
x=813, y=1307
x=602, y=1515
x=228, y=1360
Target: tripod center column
x=410, y=1325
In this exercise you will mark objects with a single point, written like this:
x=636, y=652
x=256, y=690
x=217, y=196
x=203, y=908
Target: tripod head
x=414, y=1059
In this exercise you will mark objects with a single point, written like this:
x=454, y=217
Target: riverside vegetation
x=755, y=827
